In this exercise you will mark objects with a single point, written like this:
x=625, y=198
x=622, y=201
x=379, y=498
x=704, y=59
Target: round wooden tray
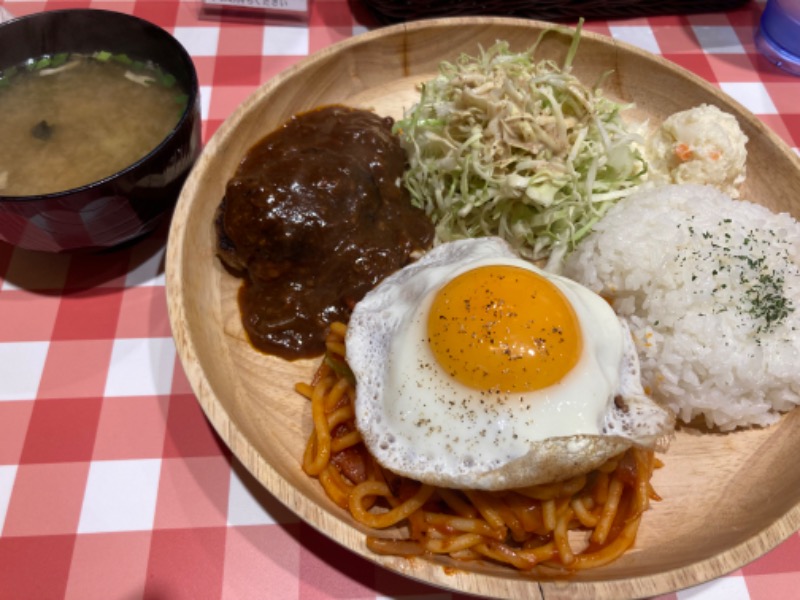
x=727, y=498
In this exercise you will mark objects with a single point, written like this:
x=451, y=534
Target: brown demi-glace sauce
x=315, y=216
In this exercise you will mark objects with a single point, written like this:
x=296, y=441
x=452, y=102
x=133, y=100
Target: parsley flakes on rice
x=710, y=287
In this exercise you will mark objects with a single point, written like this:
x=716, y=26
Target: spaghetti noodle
x=581, y=523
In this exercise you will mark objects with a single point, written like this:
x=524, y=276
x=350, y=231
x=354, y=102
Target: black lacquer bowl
x=135, y=200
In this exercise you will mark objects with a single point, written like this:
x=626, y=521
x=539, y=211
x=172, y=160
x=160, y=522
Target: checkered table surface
x=112, y=484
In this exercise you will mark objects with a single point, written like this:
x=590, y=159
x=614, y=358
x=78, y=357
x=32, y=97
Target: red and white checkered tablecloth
x=112, y=484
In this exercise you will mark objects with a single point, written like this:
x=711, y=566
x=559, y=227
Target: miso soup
x=71, y=120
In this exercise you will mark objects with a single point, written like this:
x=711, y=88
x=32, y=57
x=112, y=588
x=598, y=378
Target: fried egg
x=475, y=369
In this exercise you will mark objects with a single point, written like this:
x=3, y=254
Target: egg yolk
x=504, y=328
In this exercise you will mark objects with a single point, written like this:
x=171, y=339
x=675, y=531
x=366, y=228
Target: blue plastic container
x=778, y=37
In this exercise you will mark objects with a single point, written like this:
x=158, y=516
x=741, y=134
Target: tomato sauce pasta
x=524, y=528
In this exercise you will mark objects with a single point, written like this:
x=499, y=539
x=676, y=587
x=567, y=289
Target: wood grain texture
x=727, y=498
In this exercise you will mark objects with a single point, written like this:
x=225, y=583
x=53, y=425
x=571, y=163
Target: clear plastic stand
x=280, y=8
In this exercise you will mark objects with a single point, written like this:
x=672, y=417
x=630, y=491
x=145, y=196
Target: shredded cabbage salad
x=501, y=144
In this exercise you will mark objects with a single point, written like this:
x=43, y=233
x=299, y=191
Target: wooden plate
x=727, y=499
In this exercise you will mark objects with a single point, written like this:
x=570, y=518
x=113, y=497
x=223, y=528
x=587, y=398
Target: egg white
x=418, y=421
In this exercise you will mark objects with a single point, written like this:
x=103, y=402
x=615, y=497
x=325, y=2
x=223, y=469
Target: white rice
x=682, y=265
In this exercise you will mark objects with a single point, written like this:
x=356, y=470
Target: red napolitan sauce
x=314, y=217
